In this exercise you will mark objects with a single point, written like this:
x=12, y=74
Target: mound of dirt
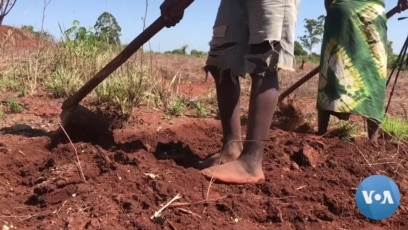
x=17, y=39
x=289, y=117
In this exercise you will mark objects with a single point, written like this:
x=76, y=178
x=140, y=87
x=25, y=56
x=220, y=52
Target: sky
x=194, y=30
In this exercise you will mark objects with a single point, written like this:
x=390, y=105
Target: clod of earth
x=288, y=116
x=306, y=156
x=82, y=124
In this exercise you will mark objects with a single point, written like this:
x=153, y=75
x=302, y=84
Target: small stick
x=209, y=186
x=21, y=152
x=398, y=148
x=14, y=216
x=57, y=211
x=282, y=198
x=301, y=187
x=78, y=163
x=158, y=213
x=29, y=217
x=361, y=153
x=206, y=201
x=189, y=212
x=171, y=225
x=382, y=163
x=235, y=216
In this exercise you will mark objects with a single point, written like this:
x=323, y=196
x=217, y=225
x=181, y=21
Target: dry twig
x=189, y=212
x=365, y=158
x=78, y=163
x=172, y=226
x=205, y=201
x=158, y=213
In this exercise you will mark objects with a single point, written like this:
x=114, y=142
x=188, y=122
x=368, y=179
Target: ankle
x=232, y=147
x=321, y=132
x=253, y=152
x=373, y=129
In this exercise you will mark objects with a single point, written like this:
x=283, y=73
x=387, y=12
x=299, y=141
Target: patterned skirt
x=353, y=64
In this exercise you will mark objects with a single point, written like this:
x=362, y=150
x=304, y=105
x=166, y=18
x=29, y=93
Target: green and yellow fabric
x=353, y=62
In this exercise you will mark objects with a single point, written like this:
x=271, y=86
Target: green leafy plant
x=177, y=106
x=14, y=106
x=200, y=108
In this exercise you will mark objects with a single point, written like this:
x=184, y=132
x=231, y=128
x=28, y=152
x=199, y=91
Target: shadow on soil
x=179, y=152
x=25, y=130
x=83, y=125
x=95, y=136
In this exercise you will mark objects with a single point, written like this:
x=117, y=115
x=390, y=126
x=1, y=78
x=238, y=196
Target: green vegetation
x=14, y=106
x=313, y=33
x=396, y=128
x=346, y=130
x=197, y=53
x=183, y=51
x=63, y=82
x=107, y=29
x=43, y=35
x=299, y=51
x=200, y=108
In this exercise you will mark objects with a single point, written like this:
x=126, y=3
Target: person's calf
x=228, y=99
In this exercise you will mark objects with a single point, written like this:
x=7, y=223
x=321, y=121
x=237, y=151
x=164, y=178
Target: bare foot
x=229, y=153
x=235, y=172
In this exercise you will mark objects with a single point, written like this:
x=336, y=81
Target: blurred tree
x=180, y=51
x=197, y=53
x=80, y=35
x=313, y=32
x=107, y=28
x=299, y=51
x=5, y=7
x=391, y=57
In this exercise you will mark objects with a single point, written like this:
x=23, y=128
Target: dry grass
x=146, y=78
x=172, y=83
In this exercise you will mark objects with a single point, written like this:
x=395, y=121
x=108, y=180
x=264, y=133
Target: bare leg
x=373, y=129
x=323, y=118
x=247, y=169
x=228, y=98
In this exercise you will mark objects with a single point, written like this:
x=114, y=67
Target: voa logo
x=385, y=197
x=377, y=197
